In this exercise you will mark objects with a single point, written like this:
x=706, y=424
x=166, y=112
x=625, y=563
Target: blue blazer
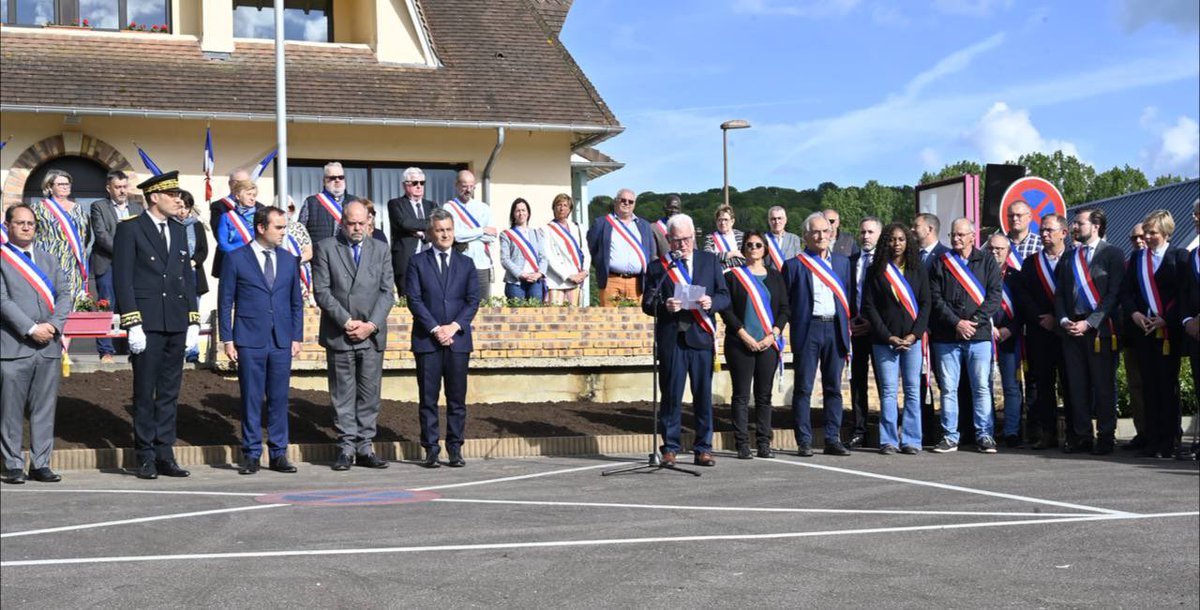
x=707, y=273
x=800, y=294
x=435, y=300
x=251, y=314
x=599, y=238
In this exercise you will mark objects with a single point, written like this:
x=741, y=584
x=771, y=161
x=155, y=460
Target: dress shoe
x=282, y=464
x=1043, y=444
x=836, y=448
x=456, y=459
x=369, y=460
x=1012, y=441
x=804, y=450
x=1103, y=446
x=910, y=450
x=765, y=452
x=1136, y=443
x=44, y=475
x=704, y=458
x=668, y=458
x=856, y=442
x=1080, y=446
x=248, y=466
x=13, y=476
x=343, y=462
x=744, y=453
x=147, y=470
x=169, y=468
x=431, y=457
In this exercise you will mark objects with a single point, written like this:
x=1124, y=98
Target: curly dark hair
x=911, y=249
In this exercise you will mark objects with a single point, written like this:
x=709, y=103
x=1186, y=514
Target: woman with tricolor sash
x=523, y=255
x=64, y=230
x=568, y=259
x=726, y=241
x=897, y=302
x=1151, y=295
x=753, y=341
x=235, y=228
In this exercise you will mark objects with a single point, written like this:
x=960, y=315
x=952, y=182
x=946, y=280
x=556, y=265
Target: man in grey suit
x=105, y=215
x=34, y=301
x=352, y=284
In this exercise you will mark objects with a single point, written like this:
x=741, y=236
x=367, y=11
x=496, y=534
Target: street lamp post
x=725, y=127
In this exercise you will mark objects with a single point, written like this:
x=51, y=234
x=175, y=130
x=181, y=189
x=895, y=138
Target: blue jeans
x=1009, y=363
x=525, y=290
x=948, y=360
x=820, y=348
x=893, y=368
x=104, y=290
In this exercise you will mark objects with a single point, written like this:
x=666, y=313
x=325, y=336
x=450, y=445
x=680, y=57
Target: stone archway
x=68, y=143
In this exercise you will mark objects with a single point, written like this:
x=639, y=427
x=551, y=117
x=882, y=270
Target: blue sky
x=853, y=90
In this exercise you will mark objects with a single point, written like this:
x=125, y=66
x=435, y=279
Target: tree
x=954, y=170
x=1117, y=181
x=1166, y=179
x=1072, y=177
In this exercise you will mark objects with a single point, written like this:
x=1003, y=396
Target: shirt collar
x=1161, y=250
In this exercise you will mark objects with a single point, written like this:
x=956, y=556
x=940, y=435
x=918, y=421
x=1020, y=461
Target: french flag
x=209, y=164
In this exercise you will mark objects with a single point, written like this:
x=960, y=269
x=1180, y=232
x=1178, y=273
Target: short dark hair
x=512, y=211
x=8, y=214
x=188, y=201
x=438, y=215
x=263, y=215
x=931, y=220
x=1096, y=216
x=115, y=175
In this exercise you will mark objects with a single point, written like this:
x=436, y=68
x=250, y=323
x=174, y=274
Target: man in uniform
x=156, y=298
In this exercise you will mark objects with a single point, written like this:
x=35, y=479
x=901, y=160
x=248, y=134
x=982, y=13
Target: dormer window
x=306, y=20
x=142, y=15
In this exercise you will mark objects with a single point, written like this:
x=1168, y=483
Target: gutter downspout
x=487, y=169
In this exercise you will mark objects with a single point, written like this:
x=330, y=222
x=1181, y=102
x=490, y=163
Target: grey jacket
x=21, y=308
x=345, y=292
x=104, y=221
x=514, y=260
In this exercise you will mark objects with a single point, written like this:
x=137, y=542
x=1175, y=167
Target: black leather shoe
x=856, y=441
x=343, y=462
x=1081, y=446
x=456, y=459
x=744, y=453
x=805, y=450
x=1044, y=444
x=431, y=457
x=1137, y=443
x=44, y=475
x=282, y=464
x=1103, y=446
x=765, y=452
x=369, y=460
x=169, y=468
x=248, y=466
x=836, y=448
x=13, y=476
x=147, y=470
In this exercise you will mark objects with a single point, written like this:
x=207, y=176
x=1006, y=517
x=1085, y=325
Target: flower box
x=88, y=322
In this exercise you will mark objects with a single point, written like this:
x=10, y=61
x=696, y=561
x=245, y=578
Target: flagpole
x=281, y=174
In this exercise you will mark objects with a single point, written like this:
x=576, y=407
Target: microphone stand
x=655, y=459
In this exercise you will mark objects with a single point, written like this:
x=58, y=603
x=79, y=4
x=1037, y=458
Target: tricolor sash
x=71, y=232
x=1006, y=303
x=680, y=276
x=1084, y=286
x=721, y=244
x=331, y=205
x=3, y=234
x=293, y=247
x=1046, y=275
x=822, y=271
x=468, y=219
x=1149, y=288
x=32, y=274
x=661, y=225
x=902, y=290
x=237, y=223
x=1013, y=260
x=526, y=248
x=760, y=300
x=961, y=272
x=630, y=237
x=775, y=252
x=229, y=201
x=570, y=242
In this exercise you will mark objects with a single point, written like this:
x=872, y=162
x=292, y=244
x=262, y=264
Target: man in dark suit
x=927, y=227
x=322, y=213
x=34, y=303
x=409, y=217
x=1043, y=347
x=820, y=332
x=685, y=337
x=623, y=248
x=261, y=322
x=860, y=329
x=104, y=215
x=443, y=296
x=352, y=284
x=156, y=297
x=1189, y=313
x=1089, y=286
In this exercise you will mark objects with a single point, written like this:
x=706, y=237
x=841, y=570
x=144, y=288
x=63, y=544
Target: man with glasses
x=842, y=243
x=409, y=216
x=321, y=213
x=1133, y=369
x=622, y=247
x=1043, y=347
x=781, y=245
x=1025, y=243
x=473, y=230
x=105, y=214
x=1007, y=330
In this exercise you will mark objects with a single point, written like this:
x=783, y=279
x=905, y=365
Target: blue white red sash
x=3, y=234
x=1013, y=260
x=293, y=247
x=32, y=274
x=570, y=242
x=1144, y=269
x=1006, y=303
x=775, y=252
x=71, y=232
x=721, y=244
x=229, y=201
x=958, y=268
x=661, y=225
x=630, y=237
x=325, y=198
x=526, y=248
x=1046, y=275
x=760, y=300
x=468, y=219
x=902, y=290
x=1084, y=285
x=680, y=276
x=237, y=223
x=822, y=271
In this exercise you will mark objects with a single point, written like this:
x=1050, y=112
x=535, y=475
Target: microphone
x=676, y=256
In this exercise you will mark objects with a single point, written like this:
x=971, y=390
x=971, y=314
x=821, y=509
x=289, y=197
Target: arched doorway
x=87, y=179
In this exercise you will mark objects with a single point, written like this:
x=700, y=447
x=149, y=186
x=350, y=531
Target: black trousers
x=433, y=370
x=1047, y=380
x=1160, y=393
x=1092, y=386
x=751, y=372
x=859, y=362
x=157, y=374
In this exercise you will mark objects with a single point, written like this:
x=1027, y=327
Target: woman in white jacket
x=566, y=254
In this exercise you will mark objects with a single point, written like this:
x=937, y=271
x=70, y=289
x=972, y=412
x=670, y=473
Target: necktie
x=1088, y=252
x=357, y=254
x=417, y=209
x=162, y=232
x=445, y=262
x=269, y=269
x=924, y=255
x=683, y=269
x=28, y=254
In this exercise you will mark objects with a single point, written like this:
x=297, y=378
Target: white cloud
x=1004, y=133
x=1184, y=15
x=1178, y=148
x=952, y=63
x=804, y=8
x=972, y=8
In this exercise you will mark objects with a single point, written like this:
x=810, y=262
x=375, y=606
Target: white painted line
x=982, y=492
x=71, y=528
x=514, y=478
x=751, y=509
x=574, y=543
x=134, y=491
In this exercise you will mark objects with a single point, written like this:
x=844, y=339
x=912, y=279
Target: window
x=149, y=15
x=307, y=20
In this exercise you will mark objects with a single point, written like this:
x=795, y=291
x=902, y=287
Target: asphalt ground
x=1017, y=529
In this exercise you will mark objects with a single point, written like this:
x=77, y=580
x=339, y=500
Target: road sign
x=1041, y=196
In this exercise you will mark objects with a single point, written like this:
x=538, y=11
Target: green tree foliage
x=1072, y=177
x=1166, y=179
x=954, y=170
x=1117, y=181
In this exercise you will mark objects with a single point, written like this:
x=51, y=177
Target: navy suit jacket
x=938, y=250
x=599, y=238
x=706, y=271
x=1171, y=283
x=800, y=294
x=1107, y=269
x=253, y=315
x=435, y=300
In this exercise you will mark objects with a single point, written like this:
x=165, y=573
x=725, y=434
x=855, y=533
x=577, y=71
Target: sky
x=847, y=91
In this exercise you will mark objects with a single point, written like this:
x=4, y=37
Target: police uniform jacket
x=155, y=286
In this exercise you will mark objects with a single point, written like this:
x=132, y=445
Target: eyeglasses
x=755, y=245
x=682, y=240
x=333, y=178
x=415, y=182
x=629, y=201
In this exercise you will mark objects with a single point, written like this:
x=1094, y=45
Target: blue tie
x=269, y=269
x=357, y=254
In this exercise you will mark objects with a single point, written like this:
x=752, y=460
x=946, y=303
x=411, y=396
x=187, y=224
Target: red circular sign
x=1041, y=196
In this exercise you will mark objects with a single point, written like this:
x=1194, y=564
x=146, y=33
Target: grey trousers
x=28, y=385
x=354, y=390
x=485, y=283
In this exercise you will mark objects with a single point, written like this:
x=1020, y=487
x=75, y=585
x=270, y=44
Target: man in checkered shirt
x=1024, y=242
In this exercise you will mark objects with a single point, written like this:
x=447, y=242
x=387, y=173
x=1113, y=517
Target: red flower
x=102, y=304
x=86, y=24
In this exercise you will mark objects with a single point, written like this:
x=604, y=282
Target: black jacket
x=732, y=315
x=1107, y=269
x=887, y=316
x=1171, y=287
x=951, y=303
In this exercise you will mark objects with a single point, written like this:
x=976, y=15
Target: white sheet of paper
x=689, y=295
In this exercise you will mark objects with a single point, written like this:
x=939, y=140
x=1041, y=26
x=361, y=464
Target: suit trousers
x=434, y=369
x=860, y=362
x=677, y=365
x=751, y=371
x=264, y=372
x=157, y=374
x=1092, y=386
x=354, y=390
x=28, y=385
x=819, y=349
x=1160, y=394
x=1133, y=381
x=485, y=283
x=1047, y=380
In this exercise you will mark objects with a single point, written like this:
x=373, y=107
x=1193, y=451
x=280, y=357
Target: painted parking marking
x=348, y=497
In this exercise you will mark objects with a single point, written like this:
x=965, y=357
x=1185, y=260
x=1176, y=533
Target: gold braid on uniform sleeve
x=194, y=317
x=131, y=319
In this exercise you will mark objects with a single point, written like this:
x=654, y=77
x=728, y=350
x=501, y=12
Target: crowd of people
x=896, y=298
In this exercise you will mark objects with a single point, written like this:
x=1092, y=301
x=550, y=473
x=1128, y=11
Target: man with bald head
x=217, y=209
x=842, y=242
x=473, y=230
x=1047, y=369
x=623, y=247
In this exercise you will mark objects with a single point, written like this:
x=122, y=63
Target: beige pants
x=620, y=288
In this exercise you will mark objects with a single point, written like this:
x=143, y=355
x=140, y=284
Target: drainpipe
x=487, y=169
